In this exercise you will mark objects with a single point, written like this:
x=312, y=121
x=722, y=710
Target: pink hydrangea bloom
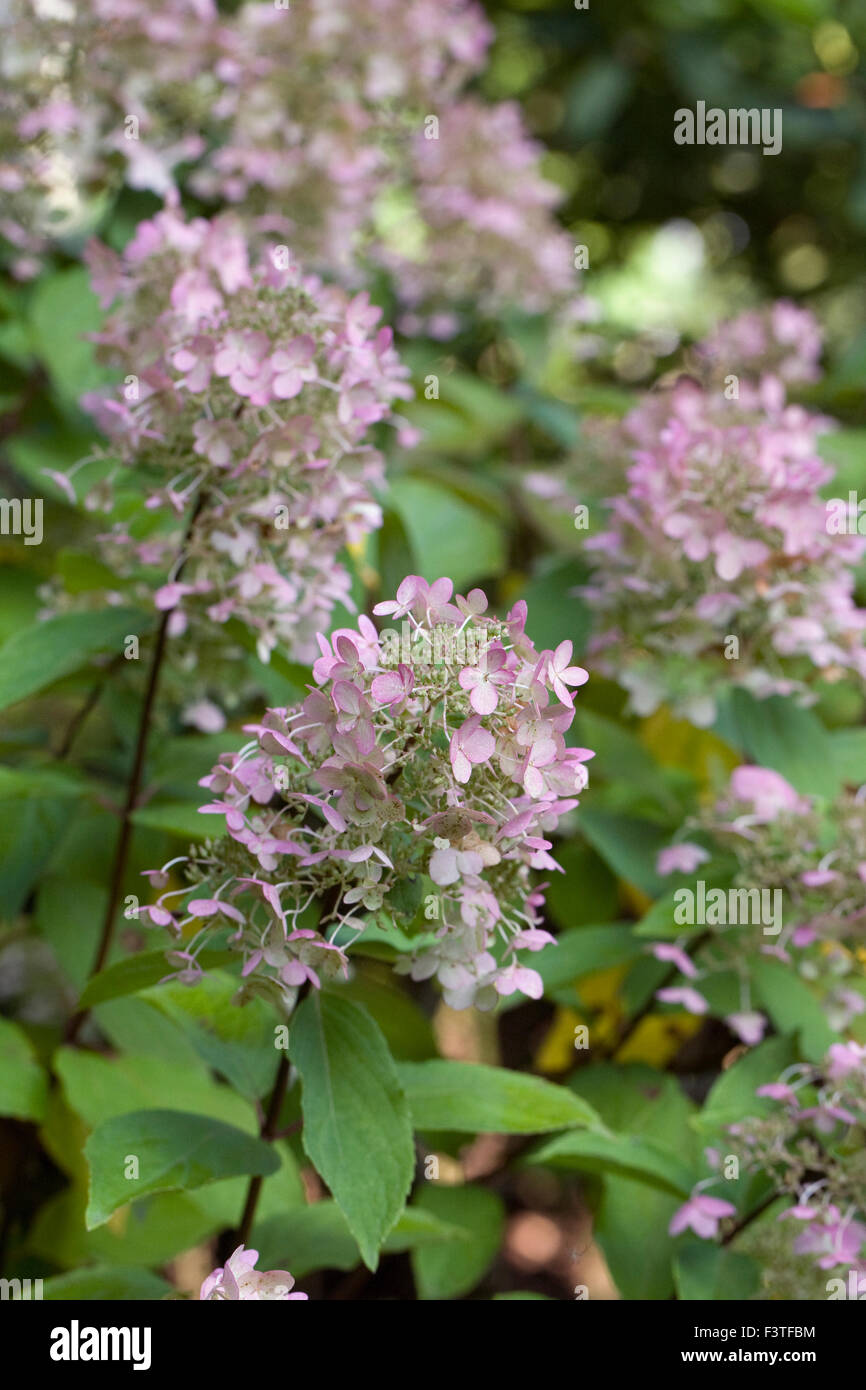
x=690, y=999
x=720, y=530
x=783, y=339
x=383, y=775
x=681, y=858
x=701, y=1214
x=251, y=391
x=239, y=1280
x=799, y=1148
x=315, y=114
x=765, y=792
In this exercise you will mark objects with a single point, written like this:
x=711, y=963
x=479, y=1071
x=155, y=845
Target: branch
x=118, y=869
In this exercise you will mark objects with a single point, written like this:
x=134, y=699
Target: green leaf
x=452, y=1269
x=239, y=1042
x=849, y=746
x=846, y=451
x=732, y=1096
x=659, y=921
x=138, y=972
x=631, y=1227
x=180, y=818
x=23, y=1083
x=629, y=846
x=356, y=1131
x=394, y=552
x=584, y=950
x=314, y=1237
x=40, y=782
x=318, y=1237
x=474, y=1099
x=136, y=1027
x=101, y=1088
x=174, y=1150
x=63, y=309
x=555, y=611
x=35, y=658
x=32, y=830
x=448, y=535
x=282, y=1192
x=405, y=1027
x=793, y=1007
x=69, y=915
x=157, y=1228
x=586, y=892
x=105, y=1284
x=777, y=733
x=704, y=1271
x=637, y=1099
x=624, y=1154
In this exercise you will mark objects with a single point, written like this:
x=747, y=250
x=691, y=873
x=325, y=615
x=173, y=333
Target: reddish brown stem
x=268, y=1133
x=133, y=789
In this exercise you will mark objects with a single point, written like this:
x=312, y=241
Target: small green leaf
x=629, y=846
x=172, y=1150
x=100, y=1088
x=733, y=1095
x=318, y=1237
x=38, y=656
x=139, y=972
x=23, y=1083
x=474, y=1099
x=180, y=818
x=239, y=1042
x=793, y=1007
x=706, y=1272
x=448, y=535
x=624, y=1154
x=106, y=1284
x=452, y=1269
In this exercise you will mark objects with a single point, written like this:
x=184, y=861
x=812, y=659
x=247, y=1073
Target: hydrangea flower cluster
x=238, y=1280
x=811, y=1147
x=781, y=340
x=717, y=565
x=95, y=93
x=249, y=395
x=344, y=123
x=414, y=790
x=489, y=237
x=798, y=867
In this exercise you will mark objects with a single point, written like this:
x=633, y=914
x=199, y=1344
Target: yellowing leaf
x=556, y=1053
x=676, y=743
x=658, y=1038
